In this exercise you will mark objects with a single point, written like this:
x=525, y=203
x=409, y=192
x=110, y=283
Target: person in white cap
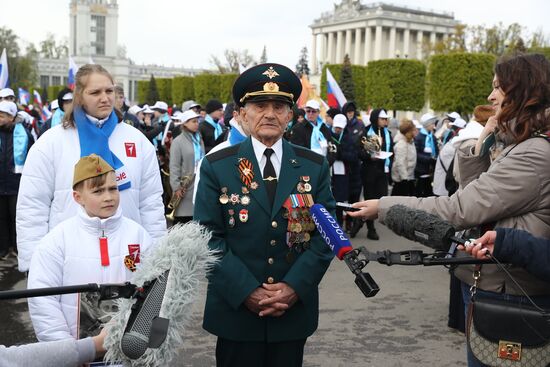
x=340, y=167
x=7, y=94
x=426, y=155
x=454, y=124
x=64, y=103
x=15, y=142
x=375, y=171
x=313, y=134
x=186, y=152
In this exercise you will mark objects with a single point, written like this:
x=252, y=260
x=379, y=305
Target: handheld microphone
x=419, y=226
x=339, y=243
x=148, y=331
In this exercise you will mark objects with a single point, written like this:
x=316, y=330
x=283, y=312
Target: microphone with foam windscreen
x=419, y=226
x=148, y=330
x=339, y=243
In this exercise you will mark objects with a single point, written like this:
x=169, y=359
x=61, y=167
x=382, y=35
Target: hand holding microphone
x=368, y=209
x=482, y=247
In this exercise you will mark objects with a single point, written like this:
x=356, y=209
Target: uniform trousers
x=231, y=353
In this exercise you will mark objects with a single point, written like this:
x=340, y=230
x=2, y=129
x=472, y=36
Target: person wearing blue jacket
x=517, y=247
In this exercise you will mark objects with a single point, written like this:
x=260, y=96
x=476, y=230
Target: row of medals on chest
x=236, y=199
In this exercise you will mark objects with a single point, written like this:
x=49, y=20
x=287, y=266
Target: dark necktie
x=270, y=177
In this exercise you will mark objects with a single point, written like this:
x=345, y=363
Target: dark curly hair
x=525, y=81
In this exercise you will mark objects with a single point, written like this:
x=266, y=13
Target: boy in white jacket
x=98, y=245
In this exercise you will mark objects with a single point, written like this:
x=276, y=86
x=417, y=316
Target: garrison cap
x=273, y=82
x=89, y=167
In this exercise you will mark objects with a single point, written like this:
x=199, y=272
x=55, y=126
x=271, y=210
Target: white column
x=314, y=54
x=324, y=57
x=330, y=56
x=406, y=40
x=368, y=38
x=419, y=36
x=432, y=42
x=347, y=49
x=391, y=53
x=357, y=58
x=378, y=43
x=339, y=47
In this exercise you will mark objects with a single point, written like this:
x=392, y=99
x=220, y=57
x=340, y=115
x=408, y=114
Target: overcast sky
x=186, y=33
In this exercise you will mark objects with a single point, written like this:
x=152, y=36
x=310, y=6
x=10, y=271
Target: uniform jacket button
x=270, y=261
x=274, y=224
x=270, y=280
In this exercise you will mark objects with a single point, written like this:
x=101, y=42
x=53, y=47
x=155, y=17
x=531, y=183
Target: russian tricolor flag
x=24, y=97
x=335, y=97
x=72, y=72
x=4, y=75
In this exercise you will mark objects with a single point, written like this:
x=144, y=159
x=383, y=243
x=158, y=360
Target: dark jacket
x=301, y=134
x=522, y=248
x=207, y=134
x=9, y=180
x=355, y=129
x=425, y=164
x=374, y=166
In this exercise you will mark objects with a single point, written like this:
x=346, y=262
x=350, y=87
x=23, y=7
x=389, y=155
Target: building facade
x=94, y=38
x=375, y=31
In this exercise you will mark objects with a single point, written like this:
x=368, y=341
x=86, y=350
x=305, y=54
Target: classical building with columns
x=375, y=31
x=94, y=38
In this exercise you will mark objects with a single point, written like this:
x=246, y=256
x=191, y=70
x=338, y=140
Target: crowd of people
x=99, y=168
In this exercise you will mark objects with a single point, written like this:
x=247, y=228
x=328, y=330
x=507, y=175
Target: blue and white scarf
x=217, y=127
x=387, y=140
x=198, y=150
x=317, y=136
x=95, y=140
x=430, y=142
x=235, y=136
x=20, y=146
x=57, y=117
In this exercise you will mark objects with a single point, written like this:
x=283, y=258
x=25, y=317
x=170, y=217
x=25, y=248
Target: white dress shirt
x=276, y=157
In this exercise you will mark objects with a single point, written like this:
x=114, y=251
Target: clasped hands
x=271, y=299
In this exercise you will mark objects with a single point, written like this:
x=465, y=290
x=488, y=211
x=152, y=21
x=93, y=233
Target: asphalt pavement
x=405, y=324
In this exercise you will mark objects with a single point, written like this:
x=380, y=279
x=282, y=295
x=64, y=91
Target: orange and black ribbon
x=246, y=171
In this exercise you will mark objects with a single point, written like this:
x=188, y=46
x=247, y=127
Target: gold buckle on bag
x=509, y=350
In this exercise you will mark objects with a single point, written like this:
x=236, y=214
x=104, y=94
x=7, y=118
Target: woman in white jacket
x=404, y=162
x=93, y=126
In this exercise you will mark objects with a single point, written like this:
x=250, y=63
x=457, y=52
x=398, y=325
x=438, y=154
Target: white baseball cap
x=134, y=110
x=383, y=115
x=458, y=122
x=8, y=107
x=67, y=97
x=160, y=105
x=454, y=115
x=313, y=104
x=188, y=115
x=6, y=92
x=146, y=109
x=339, y=121
x=428, y=119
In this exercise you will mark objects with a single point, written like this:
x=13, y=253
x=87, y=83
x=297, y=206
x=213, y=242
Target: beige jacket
x=514, y=192
x=404, y=159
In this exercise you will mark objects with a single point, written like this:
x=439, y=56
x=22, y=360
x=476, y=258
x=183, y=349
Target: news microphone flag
x=72, y=72
x=24, y=96
x=4, y=73
x=335, y=96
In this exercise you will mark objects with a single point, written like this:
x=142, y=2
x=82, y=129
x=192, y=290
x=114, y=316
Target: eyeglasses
x=311, y=111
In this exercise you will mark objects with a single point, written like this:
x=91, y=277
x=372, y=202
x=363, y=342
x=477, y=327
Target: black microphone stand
x=106, y=291
x=358, y=258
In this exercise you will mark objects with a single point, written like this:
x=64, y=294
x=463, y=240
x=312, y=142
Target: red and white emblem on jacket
x=134, y=251
x=130, y=149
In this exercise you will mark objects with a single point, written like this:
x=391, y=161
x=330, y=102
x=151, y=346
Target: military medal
x=224, y=199
x=246, y=171
x=307, y=237
x=231, y=221
x=244, y=190
x=234, y=199
x=300, y=187
x=243, y=215
x=307, y=187
x=245, y=200
x=305, y=178
x=253, y=185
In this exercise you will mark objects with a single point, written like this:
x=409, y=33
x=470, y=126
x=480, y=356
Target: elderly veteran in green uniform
x=255, y=196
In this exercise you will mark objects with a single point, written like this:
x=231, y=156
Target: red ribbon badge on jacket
x=246, y=171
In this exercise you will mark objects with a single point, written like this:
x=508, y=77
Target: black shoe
x=357, y=224
x=372, y=235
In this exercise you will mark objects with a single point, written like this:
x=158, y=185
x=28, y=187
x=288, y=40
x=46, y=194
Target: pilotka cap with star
x=267, y=82
x=89, y=167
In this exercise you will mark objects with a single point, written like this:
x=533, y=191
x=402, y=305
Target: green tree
x=51, y=49
x=153, y=93
x=164, y=87
x=22, y=68
x=182, y=89
x=142, y=90
x=396, y=84
x=460, y=81
x=234, y=60
x=346, y=80
x=207, y=86
x=302, y=65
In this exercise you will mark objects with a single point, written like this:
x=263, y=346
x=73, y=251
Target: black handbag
x=507, y=333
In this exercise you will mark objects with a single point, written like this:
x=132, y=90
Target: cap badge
x=270, y=73
x=271, y=87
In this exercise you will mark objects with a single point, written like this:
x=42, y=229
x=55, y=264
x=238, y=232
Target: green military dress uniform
x=255, y=250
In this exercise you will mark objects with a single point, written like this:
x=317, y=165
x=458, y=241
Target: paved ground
x=404, y=325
